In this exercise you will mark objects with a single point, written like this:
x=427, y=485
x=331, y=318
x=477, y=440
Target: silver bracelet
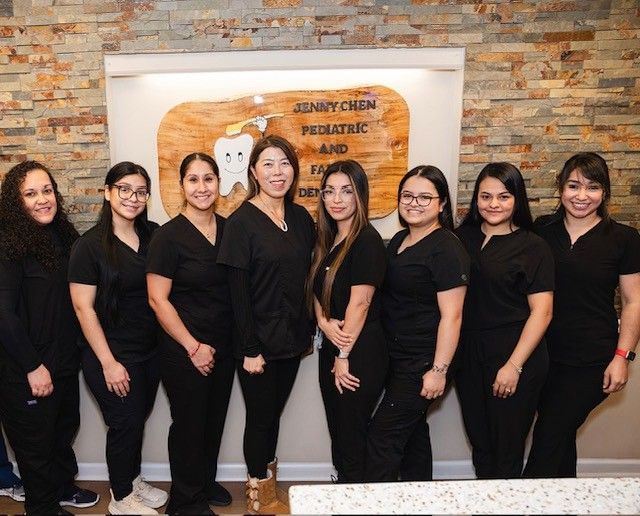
x=343, y=354
x=519, y=369
x=440, y=369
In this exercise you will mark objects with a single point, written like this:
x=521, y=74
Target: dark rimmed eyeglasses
x=125, y=192
x=423, y=200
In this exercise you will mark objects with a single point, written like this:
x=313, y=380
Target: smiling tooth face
x=232, y=157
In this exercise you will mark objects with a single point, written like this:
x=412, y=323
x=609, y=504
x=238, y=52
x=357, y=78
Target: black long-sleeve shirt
x=37, y=321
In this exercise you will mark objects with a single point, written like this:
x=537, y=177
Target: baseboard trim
x=322, y=471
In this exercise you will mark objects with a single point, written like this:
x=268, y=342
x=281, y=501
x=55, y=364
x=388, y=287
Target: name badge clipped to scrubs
x=317, y=338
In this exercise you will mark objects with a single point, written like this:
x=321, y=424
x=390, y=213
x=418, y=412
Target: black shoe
x=75, y=496
x=218, y=495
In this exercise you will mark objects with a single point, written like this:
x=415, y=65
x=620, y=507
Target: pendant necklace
x=210, y=232
x=282, y=224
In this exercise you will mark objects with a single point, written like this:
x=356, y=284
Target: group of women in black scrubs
x=390, y=320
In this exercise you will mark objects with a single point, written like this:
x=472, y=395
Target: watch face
x=631, y=355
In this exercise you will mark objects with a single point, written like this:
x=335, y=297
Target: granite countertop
x=517, y=496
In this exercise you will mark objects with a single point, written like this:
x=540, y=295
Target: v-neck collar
x=587, y=234
x=192, y=225
x=271, y=222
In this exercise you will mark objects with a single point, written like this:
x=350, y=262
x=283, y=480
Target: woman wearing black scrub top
x=508, y=307
x=189, y=293
x=589, y=357
x=267, y=247
x=109, y=294
x=38, y=329
x=422, y=299
x=348, y=268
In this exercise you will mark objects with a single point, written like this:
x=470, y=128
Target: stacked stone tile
x=543, y=79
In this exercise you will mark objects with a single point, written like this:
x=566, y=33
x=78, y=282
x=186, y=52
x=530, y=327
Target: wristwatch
x=629, y=355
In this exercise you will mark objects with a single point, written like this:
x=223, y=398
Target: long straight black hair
x=511, y=178
x=109, y=286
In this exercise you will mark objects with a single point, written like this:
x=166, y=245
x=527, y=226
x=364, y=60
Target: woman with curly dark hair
x=39, y=400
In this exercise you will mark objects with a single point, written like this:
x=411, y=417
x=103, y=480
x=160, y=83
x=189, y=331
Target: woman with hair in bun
x=39, y=393
x=507, y=309
x=189, y=293
x=422, y=299
x=589, y=351
x=108, y=289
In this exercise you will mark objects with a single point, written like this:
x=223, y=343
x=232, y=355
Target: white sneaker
x=150, y=496
x=130, y=504
x=14, y=492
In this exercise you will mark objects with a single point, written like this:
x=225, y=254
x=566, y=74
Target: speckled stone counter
x=521, y=496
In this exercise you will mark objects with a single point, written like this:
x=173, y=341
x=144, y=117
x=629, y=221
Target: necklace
x=281, y=223
x=210, y=231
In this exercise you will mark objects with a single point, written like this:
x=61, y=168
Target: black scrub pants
x=198, y=406
x=569, y=395
x=41, y=432
x=349, y=414
x=398, y=442
x=498, y=427
x=265, y=396
x=125, y=417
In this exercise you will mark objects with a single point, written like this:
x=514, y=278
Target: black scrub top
x=503, y=274
x=276, y=263
x=410, y=311
x=37, y=322
x=364, y=264
x=132, y=335
x=200, y=288
x=584, y=329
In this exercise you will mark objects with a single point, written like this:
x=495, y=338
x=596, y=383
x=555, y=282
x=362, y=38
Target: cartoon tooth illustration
x=232, y=154
x=232, y=157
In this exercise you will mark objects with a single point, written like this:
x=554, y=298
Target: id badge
x=317, y=338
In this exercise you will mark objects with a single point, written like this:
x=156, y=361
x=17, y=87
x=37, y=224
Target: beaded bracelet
x=440, y=369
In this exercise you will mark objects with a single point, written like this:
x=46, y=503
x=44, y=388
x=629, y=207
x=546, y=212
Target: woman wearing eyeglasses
x=422, y=300
x=189, y=293
x=108, y=290
x=348, y=268
x=504, y=359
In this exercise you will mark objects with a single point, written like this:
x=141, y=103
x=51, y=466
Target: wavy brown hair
x=20, y=235
x=327, y=229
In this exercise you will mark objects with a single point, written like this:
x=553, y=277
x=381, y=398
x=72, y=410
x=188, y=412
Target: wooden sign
x=369, y=124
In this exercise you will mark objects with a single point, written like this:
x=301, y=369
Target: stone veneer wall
x=543, y=79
